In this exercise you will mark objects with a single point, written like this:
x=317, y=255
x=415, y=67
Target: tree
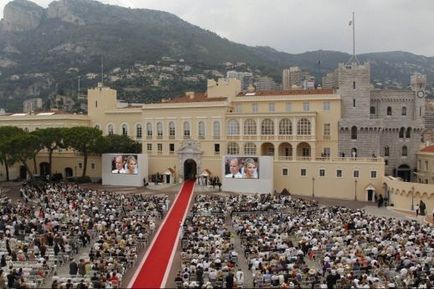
x=84, y=140
x=52, y=139
x=118, y=144
x=23, y=147
x=6, y=133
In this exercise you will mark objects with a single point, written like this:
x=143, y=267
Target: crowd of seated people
x=49, y=226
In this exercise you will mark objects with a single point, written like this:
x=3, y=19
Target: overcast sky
x=296, y=26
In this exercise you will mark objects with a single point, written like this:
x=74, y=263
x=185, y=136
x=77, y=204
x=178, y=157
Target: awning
x=205, y=173
x=169, y=171
x=370, y=187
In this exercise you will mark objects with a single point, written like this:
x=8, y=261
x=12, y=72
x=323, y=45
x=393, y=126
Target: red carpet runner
x=154, y=268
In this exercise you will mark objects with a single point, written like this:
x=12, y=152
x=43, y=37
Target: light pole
x=412, y=198
x=313, y=187
x=355, y=189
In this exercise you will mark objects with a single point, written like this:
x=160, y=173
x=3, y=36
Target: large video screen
x=125, y=164
x=241, y=167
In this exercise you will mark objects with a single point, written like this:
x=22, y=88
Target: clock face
x=420, y=93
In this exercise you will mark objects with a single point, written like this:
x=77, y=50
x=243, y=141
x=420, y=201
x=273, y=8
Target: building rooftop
x=428, y=149
x=289, y=92
x=193, y=97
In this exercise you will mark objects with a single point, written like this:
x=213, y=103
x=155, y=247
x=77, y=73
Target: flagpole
x=354, y=38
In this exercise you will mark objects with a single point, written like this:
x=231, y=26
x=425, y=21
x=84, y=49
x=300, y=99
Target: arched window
x=372, y=110
x=172, y=130
x=186, y=129
x=201, y=129
x=159, y=130
x=149, y=130
x=401, y=132
x=250, y=148
x=267, y=127
x=389, y=110
x=404, y=151
x=124, y=129
x=386, y=151
x=404, y=110
x=250, y=127
x=354, y=132
x=216, y=129
x=408, y=132
x=138, y=131
x=285, y=127
x=233, y=148
x=233, y=127
x=303, y=127
x=110, y=129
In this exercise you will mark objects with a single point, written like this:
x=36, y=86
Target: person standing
x=417, y=210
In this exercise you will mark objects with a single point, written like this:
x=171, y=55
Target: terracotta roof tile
x=197, y=97
x=290, y=92
x=428, y=149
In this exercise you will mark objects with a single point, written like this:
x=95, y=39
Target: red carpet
x=152, y=273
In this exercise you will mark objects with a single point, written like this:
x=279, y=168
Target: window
x=408, y=132
x=356, y=173
x=339, y=173
x=250, y=148
x=326, y=131
x=404, y=110
x=160, y=148
x=80, y=165
x=92, y=165
x=110, y=129
x=326, y=106
x=288, y=107
x=96, y=103
x=354, y=85
x=267, y=127
x=250, y=127
x=284, y=172
x=372, y=110
x=327, y=152
x=97, y=126
x=217, y=148
x=172, y=130
x=186, y=129
x=426, y=165
x=404, y=151
x=254, y=107
x=238, y=107
x=233, y=127
x=354, y=132
x=271, y=107
x=303, y=127
x=233, y=148
x=148, y=130
x=386, y=162
x=303, y=172
x=306, y=106
x=321, y=172
x=285, y=127
x=216, y=129
x=373, y=174
x=354, y=102
x=171, y=147
x=401, y=132
x=124, y=129
x=201, y=130
x=159, y=130
x=389, y=111
x=149, y=147
x=386, y=151
x=138, y=131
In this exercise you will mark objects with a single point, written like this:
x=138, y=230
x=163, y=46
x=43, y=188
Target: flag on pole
x=351, y=23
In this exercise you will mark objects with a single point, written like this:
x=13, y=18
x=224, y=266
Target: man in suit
x=119, y=163
x=234, y=168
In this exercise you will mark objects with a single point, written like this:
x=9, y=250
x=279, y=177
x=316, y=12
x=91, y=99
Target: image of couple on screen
x=242, y=168
x=124, y=165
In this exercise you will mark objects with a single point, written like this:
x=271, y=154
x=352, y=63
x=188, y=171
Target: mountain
x=44, y=51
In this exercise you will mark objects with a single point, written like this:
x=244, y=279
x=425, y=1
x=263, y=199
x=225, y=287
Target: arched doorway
x=404, y=172
x=43, y=169
x=190, y=169
x=267, y=149
x=303, y=150
x=23, y=172
x=354, y=152
x=285, y=150
x=68, y=172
